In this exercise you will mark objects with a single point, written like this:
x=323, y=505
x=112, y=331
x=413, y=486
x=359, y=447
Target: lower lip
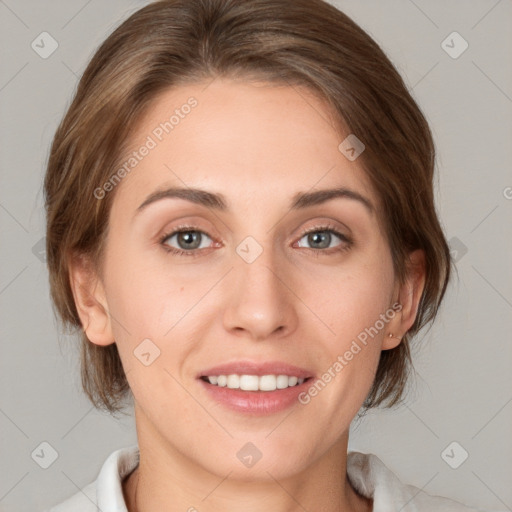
x=256, y=402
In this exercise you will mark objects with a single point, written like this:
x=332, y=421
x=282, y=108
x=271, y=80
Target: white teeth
x=233, y=381
x=292, y=381
x=255, y=382
x=249, y=382
x=282, y=382
x=267, y=383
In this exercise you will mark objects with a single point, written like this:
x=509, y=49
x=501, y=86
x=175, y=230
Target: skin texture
x=258, y=144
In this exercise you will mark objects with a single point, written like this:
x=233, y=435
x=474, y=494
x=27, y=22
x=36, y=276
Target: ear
x=90, y=300
x=409, y=294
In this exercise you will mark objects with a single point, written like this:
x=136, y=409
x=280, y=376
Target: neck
x=166, y=479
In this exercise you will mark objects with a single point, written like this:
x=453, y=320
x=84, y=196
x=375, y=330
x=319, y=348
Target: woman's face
x=250, y=288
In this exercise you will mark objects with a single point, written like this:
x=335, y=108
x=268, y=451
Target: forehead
x=251, y=141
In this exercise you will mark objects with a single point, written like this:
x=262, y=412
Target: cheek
x=150, y=299
x=135, y=292
x=356, y=305
x=353, y=298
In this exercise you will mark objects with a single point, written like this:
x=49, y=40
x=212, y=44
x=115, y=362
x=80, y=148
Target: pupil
x=316, y=237
x=189, y=236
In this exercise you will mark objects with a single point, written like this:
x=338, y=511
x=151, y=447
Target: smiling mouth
x=254, y=382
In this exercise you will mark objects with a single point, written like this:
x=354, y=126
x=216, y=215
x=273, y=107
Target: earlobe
x=410, y=293
x=90, y=300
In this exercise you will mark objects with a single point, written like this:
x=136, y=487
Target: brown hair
x=306, y=43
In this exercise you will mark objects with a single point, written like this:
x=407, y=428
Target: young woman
x=241, y=223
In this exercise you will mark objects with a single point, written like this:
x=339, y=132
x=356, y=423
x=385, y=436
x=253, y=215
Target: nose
x=260, y=300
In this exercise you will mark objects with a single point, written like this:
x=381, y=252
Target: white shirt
x=367, y=473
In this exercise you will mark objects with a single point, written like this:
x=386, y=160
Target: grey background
x=462, y=391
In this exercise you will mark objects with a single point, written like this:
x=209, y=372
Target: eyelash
x=348, y=242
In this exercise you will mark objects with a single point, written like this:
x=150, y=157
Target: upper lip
x=255, y=368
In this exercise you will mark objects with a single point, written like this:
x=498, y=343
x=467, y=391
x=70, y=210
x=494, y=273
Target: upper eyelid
x=179, y=229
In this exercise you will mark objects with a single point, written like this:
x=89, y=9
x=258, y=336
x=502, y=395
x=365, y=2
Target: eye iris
x=317, y=236
x=189, y=236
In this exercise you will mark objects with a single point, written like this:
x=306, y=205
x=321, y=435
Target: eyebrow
x=218, y=201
